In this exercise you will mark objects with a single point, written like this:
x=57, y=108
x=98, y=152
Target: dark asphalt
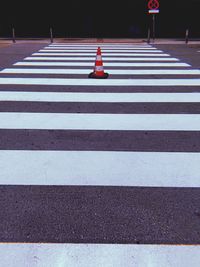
x=17, y=52
x=99, y=215
x=77, y=214
x=151, y=141
x=101, y=108
x=100, y=89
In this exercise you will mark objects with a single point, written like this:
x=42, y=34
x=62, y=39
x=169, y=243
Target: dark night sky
x=88, y=18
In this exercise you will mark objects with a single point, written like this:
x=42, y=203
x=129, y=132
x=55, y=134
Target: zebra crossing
x=118, y=155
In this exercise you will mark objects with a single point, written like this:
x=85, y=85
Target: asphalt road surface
x=111, y=161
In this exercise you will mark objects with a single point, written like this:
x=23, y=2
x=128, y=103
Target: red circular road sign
x=153, y=4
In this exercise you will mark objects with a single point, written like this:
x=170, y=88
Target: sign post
x=153, y=6
x=13, y=35
x=51, y=35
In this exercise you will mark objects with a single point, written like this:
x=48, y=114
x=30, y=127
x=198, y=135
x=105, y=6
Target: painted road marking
x=103, y=45
x=105, y=55
x=103, y=48
x=149, y=169
x=98, y=82
x=105, y=59
x=101, y=97
x=107, y=64
x=88, y=255
x=50, y=49
x=94, y=121
x=113, y=72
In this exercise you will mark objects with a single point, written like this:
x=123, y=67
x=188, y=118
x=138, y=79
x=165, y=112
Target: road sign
x=153, y=4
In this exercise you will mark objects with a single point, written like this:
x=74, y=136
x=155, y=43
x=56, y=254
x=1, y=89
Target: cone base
x=93, y=75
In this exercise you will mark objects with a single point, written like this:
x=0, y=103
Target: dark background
x=76, y=18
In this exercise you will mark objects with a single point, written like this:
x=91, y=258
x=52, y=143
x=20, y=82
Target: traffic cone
x=98, y=72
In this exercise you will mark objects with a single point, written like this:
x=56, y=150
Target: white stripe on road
x=101, y=97
x=107, y=64
x=101, y=82
x=105, y=59
x=49, y=49
x=103, y=48
x=83, y=121
x=128, y=46
x=100, y=43
x=113, y=72
x=105, y=55
x=99, y=168
x=98, y=255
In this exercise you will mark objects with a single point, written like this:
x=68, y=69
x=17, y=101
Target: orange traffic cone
x=98, y=72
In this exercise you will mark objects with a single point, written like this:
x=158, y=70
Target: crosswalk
x=102, y=161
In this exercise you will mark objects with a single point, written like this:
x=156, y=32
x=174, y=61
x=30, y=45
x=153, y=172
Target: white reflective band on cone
x=98, y=57
x=99, y=68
